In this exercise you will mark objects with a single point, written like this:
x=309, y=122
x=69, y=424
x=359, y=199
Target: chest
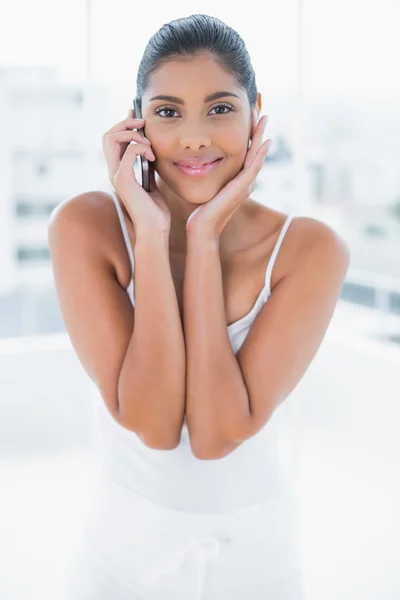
x=243, y=278
x=243, y=274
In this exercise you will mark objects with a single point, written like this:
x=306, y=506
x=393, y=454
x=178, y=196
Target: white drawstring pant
x=135, y=549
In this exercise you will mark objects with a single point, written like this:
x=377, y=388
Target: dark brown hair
x=194, y=35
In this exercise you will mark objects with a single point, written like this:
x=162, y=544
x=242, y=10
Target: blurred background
x=327, y=74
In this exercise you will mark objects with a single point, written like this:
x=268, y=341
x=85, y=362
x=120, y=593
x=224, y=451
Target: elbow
x=148, y=435
x=156, y=443
x=157, y=419
x=205, y=455
x=213, y=451
x=151, y=439
x=221, y=447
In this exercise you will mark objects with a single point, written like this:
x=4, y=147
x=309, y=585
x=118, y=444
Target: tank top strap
x=124, y=230
x=274, y=254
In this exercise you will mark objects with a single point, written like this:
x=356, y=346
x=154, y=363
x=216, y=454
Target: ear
x=259, y=103
x=253, y=124
x=255, y=115
x=256, y=112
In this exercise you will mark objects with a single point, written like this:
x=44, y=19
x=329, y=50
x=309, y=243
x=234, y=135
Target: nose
x=195, y=137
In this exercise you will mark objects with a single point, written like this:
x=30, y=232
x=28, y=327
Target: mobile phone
x=142, y=170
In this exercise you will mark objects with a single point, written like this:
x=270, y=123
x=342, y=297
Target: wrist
x=202, y=239
x=152, y=238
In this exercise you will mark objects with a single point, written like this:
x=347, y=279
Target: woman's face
x=195, y=126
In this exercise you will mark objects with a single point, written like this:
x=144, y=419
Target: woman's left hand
x=209, y=220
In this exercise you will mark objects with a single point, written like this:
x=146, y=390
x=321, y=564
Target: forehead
x=194, y=75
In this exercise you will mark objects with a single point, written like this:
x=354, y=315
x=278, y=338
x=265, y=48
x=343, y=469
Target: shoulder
x=303, y=233
x=315, y=236
x=92, y=209
x=307, y=241
x=92, y=222
x=318, y=251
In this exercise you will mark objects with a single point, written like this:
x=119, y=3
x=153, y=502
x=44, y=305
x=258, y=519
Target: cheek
x=159, y=138
x=235, y=144
x=161, y=147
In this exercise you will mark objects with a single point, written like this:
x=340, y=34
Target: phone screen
x=141, y=167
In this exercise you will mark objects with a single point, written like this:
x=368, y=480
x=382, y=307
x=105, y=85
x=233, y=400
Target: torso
x=243, y=268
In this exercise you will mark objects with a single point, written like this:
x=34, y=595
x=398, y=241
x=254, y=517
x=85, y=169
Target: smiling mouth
x=198, y=171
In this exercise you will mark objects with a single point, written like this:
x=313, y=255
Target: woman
x=160, y=293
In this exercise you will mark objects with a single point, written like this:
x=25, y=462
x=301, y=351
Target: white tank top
x=259, y=470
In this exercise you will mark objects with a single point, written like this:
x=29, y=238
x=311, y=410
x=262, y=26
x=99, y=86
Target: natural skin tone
x=201, y=247
x=222, y=128
x=204, y=210
x=230, y=397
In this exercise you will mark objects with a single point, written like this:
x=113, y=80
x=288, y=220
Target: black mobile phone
x=142, y=170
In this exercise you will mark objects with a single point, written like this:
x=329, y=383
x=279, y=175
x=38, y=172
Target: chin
x=194, y=192
x=200, y=195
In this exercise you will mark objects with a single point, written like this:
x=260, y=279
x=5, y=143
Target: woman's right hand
x=149, y=211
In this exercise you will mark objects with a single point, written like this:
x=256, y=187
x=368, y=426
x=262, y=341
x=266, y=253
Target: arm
x=224, y=409
x=152, y=378
x=135, y=357
x=216, y=395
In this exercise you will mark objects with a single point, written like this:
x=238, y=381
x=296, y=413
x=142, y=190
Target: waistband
x=108, y=485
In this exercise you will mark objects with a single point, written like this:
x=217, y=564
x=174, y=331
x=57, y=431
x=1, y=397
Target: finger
x=127, y=136
x=265, y=147
x=256, y=141
x=232, y=192
x=258, y=136
x=132, y=152
x=261, y=154
x=124, y=125
x=247, y=176
x=115, y=143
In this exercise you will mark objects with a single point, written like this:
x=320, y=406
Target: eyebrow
x=209, y=98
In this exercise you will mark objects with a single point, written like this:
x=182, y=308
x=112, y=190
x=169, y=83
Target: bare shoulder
x=305, y=236
x=314, y=236
x=93, y=209
x=94, y=219
x=304, y=232
x=316, y=250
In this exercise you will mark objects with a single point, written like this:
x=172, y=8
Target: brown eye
x=228, y=106
x=160, y=110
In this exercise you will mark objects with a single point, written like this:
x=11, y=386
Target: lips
x=192, y=162
x=204, y=169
